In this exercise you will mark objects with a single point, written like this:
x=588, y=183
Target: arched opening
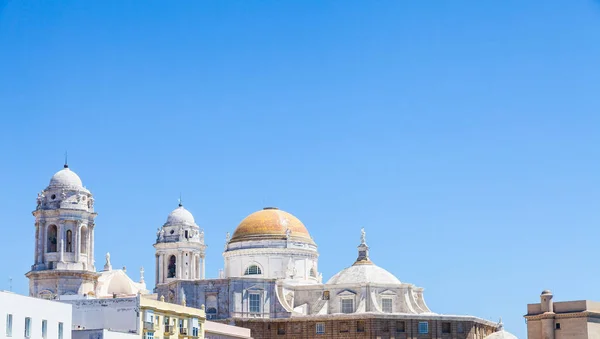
x=313, y=273
x=211, y=313
x=83, y=242
x=172, y=267
x=51, y=245
x=69, y=241
x=253, y=270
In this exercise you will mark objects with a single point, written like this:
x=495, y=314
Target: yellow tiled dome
x=271, y=223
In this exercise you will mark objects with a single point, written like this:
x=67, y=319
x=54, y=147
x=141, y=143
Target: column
x=90, y=243
x=192, y=268
x=41, y=242
x=179, y=264
x=161, y=265
x=202, y=276
x=156, y=270
x=61, y=232
x=77, y=240
x=37, y=243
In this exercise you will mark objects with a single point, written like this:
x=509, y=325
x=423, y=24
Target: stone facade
x=568, y=319
x=64, y=238
x=64, y=262
x=179, y=248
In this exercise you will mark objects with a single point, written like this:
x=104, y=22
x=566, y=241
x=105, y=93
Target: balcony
x=149, y=326
x=169, y=330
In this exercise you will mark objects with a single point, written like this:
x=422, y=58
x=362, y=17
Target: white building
x=23, y=317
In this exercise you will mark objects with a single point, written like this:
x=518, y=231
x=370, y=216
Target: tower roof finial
x=363, y=250
x=180, y=203
x=66, y=160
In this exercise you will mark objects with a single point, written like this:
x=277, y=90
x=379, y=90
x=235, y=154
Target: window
x=182, y=329
x=360, y=326
x=253, y=270
x=254, y=300
x=386, y=326
x=51, y=245
x=211, y=313
x=320, y=328
x=386, y=305
x=400, y=326
x=172, y=267
x=460, y=328
x=281, y=328
x=347, y=305
x=27, y=327
x=312, y=273
x=60, y=330
x=446, y=327
x=44, y=328
x=325, y=295
x=186, y=235
x=344, y=327
x=149, y=335
x=558, y=326
x=195, y=327
x=423, y=327
x=69, y=241
x=9, y=325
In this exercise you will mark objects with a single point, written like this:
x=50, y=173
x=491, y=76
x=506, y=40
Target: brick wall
x=373, y=328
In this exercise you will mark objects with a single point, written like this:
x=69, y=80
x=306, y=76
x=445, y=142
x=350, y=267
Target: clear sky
x=463, y=135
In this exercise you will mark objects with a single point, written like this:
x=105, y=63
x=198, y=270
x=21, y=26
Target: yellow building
x=170, y=321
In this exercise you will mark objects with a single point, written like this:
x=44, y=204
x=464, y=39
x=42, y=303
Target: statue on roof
x=288, y=233
x=363, y=236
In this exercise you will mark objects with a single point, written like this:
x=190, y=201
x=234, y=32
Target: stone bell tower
x=180, y=248
x=64, y=239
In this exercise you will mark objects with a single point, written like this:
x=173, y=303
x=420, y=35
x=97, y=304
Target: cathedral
x=270, y=282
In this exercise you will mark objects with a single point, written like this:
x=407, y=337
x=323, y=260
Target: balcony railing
x=183, y=331
x=169, y=330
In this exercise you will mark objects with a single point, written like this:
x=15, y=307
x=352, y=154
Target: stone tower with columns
x=64, y=238
x=179, y=248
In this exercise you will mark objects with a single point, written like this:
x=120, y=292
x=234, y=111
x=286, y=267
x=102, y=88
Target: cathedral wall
x=229, y=297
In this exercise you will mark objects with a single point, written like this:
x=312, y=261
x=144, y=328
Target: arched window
x=211, y=313
x=69, y=241
x=253, y=270
x=313, y=273
x=172, y=267
x=52, y=238
x=83, y=243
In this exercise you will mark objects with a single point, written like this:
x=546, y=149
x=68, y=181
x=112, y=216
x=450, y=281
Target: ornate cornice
x=580, y=314
x=270, y=251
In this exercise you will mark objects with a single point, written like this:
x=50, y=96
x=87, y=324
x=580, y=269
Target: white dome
x=502, y=334
x=364, y=274
x=180, y=216
x=65, y=177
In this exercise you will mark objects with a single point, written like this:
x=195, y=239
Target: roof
x=271, y=223
x=364, y=274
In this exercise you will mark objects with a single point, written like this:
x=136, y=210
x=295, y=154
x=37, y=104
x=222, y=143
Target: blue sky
x=462, y=135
